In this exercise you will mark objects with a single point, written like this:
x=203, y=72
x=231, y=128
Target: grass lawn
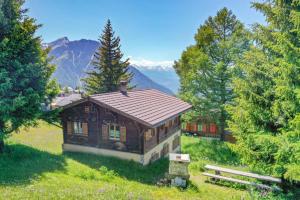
x=34, y=167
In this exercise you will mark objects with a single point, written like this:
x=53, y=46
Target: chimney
x=123, y=86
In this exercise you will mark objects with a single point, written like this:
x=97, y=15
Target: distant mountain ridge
x=73, y=60
x=163, y=75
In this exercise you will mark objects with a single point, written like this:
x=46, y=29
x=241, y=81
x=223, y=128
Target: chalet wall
x=143, y=159
x=136, y=147
x=95, y=117
x=133, y=132
x=162, y=133
x=77, y=113
x=106, y=152
x=157, y=149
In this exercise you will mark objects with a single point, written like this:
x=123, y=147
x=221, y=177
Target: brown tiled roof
x=149, y=107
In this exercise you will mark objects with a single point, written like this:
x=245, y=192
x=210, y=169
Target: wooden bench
x=218, y=176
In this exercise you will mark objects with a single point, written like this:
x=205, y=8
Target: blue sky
x=151, y=31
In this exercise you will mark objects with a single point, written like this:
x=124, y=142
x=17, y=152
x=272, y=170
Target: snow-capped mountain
x=164, y=75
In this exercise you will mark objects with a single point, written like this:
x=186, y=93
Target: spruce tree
x=206, y=68
x=24, y=70
x=109, y=69
x=265, y=116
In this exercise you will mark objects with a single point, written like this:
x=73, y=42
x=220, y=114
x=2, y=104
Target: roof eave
x=74, y=103
x=165, y=120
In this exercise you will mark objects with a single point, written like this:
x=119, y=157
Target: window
x=114, y=132
x=93, y=108
x=154, y=157
x=165, y=150
x=176, y=142
x=199, y=127
x=183, y=126
x=86, y=109
x=149, y=134
x=78, y=128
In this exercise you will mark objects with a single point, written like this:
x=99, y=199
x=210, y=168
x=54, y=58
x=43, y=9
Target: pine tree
x=24, y=70
x=206, y=68
x=109, y=69
x=265, y=116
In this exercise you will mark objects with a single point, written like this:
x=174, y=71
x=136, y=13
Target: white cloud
x=150, y=64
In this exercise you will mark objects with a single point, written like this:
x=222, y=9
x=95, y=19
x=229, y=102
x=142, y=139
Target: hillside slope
x=73, y=59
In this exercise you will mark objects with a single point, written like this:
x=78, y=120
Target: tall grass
x=204, y=151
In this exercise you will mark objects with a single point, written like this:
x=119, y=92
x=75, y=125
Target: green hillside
x=34, y=167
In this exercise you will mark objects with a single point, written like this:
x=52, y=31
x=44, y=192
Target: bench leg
x=217, y=173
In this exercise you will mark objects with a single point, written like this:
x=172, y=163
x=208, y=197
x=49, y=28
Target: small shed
x=178, y=169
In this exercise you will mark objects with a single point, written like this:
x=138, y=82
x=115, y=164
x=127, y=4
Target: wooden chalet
x=139, y=125
x=205, y=128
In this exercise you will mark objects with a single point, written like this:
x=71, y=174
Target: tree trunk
x=223, y=118
x=222, y=126
x=1, y=136
x=223, y=102
x=1, y=146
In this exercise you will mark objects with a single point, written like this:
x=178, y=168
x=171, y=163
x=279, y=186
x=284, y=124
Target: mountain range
x=166, y=76
x=73, y=60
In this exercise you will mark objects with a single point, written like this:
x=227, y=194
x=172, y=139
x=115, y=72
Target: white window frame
x=77, y=126
x=113, y=132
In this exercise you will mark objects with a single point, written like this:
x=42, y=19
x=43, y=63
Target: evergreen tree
x=24, y=70
x=265, y=116
x=109, y=69
x=206, y=68
x=66, y=90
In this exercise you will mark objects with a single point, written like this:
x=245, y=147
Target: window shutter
x=123, y=133
x=213, y=128
x=85, y=130
x=188, y=127
x=69, y=128
x=194, y=127
x=104, y=132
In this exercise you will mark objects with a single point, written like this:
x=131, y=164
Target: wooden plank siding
x=150, y=142
x=95, y=121
x=162, y=133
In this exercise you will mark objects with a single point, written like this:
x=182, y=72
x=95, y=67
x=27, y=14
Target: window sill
x=79, y=135
x=117, y=140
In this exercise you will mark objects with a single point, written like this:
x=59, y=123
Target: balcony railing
x=163, y=135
